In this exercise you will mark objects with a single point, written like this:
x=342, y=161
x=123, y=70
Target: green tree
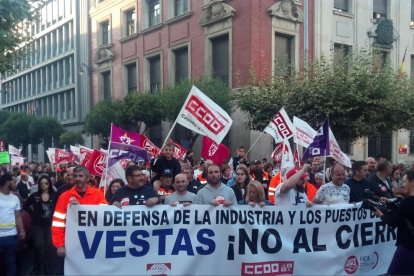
x=15, y=129
x=44, y=130
x=71, y=138
x=15, y=19
x=360, y=96
x=98, y=121
x=138, y=109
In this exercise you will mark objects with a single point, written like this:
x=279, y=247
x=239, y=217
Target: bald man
x=181, y=195
x=372, y=164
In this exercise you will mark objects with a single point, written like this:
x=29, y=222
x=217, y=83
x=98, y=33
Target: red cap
x=293, y=171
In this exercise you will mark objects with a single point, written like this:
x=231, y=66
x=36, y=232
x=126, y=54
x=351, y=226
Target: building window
x=130, y=19
x=154, y=12
x=341, y=54
x=380, y=8
x=155, y=73
x=180, y=7
x=180, y=64
x=106, y=85
x=221, y=57
x=341, y=5
x=131, y=74
x=105, y=33
x=284, y=54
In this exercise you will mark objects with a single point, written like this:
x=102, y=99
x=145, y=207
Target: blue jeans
x=8, y=248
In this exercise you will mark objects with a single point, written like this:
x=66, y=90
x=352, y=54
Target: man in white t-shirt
x=292, y=191
x=11, y=224
x=334, y=192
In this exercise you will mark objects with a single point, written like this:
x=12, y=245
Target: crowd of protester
x=34, y=197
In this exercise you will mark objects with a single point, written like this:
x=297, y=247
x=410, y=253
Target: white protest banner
x=304, y=132
x=336, y=152
x=16, y=160
x=280, y=126
x=14, y=151
x=200, y=114
x=239, y=240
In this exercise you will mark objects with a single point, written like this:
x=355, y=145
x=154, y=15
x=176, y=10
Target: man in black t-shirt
x=135, y=192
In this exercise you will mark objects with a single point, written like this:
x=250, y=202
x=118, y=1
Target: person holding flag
x=292, y=191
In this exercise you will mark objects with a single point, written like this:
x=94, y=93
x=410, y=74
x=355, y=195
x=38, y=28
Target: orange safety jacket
x=274, y=182
x=92, y=196
x=202, y=179
x=277, y=179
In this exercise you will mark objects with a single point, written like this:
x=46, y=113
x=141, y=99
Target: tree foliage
x=360, y=96
x=22, y=129
x=44, y=130
x=15, y=19
x=98, y=121
x=71, y=138
x=140, y=109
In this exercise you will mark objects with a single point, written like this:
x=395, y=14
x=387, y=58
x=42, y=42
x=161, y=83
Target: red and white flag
x=304, y=132
x=216, y=153
x=149, y=146
x=179, y=150
x=287, y=158
x=336, y=152
x=64, y=156
x=97, y=163
x=298, y=161
x=203, y=116
x=280, y=126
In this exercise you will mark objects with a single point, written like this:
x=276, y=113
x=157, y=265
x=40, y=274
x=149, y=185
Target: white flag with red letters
x=280, y=126
x=202, y=115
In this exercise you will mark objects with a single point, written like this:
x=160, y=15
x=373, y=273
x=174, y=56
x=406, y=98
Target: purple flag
x=119, y=135
x=320, y=145
x=119, y=151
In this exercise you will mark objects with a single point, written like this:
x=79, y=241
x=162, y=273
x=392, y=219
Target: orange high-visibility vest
x=91, y=197
x=274, y=182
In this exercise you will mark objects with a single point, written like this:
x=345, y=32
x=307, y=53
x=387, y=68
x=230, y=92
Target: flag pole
x=254, y=143
x=168, y=135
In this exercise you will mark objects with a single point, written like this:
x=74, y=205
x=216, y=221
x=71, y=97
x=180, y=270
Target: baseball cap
x=293, y=171
x=167, y=173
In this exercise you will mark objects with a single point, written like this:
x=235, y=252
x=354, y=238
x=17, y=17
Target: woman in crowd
x=403, y=219
x=255, y=195
x=113, y=187
x=395, y=178
x=242, y=179
x=318, y=180
x=40, y=207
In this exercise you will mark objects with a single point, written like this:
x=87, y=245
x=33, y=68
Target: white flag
x=336, y=152
x=287, y=158
x=280, y=126
x=202, y=115
x=14, y=151
x=51, y=154
x=304, y=132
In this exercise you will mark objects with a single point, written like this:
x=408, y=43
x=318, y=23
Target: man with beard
x=215, y=192
x=292, y=191
x=80, y=193
x=11, y=224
